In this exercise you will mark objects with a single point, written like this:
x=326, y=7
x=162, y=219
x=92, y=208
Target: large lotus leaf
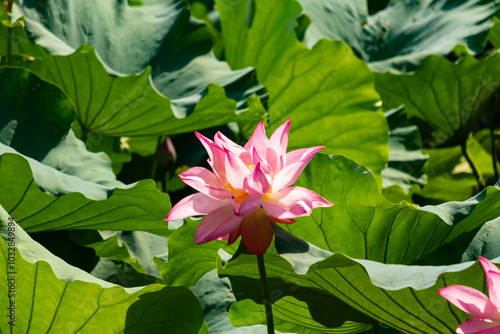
x=363, y=224
x=444, y=99
x=177, y=48
x=188, y=263
x=51, y=296
x=102, y=107
x=327, y=92
x=406, y=160
x=124, y=36
x=141, y=207
x=404, y=297
x=398, y=37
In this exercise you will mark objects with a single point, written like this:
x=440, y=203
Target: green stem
x=496, y=144
x=267, y=299
x=473, y=166
x=494, y=151
x=84, y=135
x=8, y=54
x=154, y=167
x=9, y=5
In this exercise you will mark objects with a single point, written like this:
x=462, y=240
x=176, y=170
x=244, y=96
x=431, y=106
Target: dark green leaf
x=35, y=115
x=444, y=99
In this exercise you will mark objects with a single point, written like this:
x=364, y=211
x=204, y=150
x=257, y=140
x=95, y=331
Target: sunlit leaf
x=49, y=292
x=326, y=91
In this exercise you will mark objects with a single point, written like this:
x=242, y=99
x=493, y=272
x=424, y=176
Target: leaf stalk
x=267, y=299
x=473, y=166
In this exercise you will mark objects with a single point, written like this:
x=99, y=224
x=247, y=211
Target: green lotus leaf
x=382, y=236
x=444, y=99
x=404, y=297
x=326, y=91
x=50, y=296
x=141, y=207
x=363, y=224
x=101, y=107
x=124, y=36
x=100, y=103
x=399, y=36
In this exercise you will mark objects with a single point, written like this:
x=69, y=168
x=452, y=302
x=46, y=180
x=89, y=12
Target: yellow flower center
x=250, y=167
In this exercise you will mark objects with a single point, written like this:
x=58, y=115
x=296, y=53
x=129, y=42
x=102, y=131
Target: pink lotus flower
x=486, y=311
x=248, y=189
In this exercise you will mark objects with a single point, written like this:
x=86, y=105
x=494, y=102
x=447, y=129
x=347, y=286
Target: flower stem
x=473, y=166
x=267, y=299
x=494, y=151
x=8, y=55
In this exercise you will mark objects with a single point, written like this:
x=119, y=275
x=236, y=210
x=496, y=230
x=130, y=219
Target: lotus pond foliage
x=353, y=145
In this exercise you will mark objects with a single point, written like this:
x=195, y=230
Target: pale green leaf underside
x=398, y=37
